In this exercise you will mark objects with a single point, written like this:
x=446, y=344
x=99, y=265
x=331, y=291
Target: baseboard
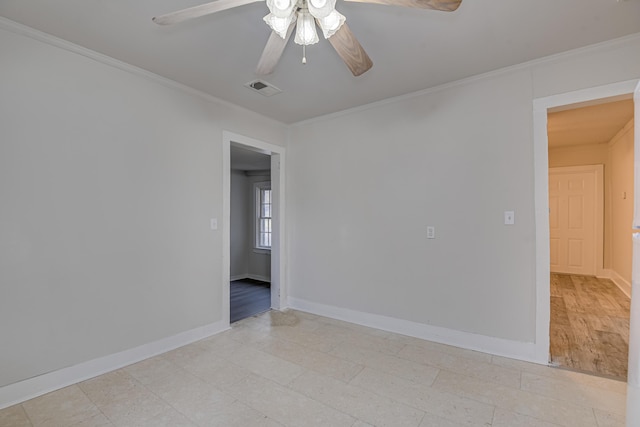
x=526, y=351
x=250, y=276
x=33, y=387
x=618, y=280
x=260, y=278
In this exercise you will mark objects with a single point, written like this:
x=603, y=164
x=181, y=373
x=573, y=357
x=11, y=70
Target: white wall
x=108, y=180
x=455, y=157
x=240, y=234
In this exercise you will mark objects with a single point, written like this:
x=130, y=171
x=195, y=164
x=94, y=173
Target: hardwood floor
x=249, y=297
x=589, y=329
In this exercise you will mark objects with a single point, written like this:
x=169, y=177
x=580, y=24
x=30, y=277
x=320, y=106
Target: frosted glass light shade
x=321, y=8
x=279, y=25
x=281, y=8
x=306, y=29
x=331, y=23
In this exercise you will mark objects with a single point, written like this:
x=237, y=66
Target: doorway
x=250, y=233
x=589, y=328
x=253, y=226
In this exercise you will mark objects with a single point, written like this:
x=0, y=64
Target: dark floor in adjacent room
x=589, y=329
x=249, y=297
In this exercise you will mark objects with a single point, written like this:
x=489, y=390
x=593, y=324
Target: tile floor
x=297, y=369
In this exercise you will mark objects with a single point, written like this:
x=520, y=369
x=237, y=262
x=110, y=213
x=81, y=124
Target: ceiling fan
x=304, y=15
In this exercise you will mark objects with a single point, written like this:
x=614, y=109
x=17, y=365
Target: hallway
x=589, y=329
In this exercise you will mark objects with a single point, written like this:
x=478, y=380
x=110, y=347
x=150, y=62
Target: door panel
x=572, y=220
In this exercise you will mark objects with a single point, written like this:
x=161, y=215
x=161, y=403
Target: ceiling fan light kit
x=306, y=14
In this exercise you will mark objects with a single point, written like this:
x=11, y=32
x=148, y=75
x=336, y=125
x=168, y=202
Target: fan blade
x=201, y=10
x=350, y=50
x=273, y=51
x=443, y=5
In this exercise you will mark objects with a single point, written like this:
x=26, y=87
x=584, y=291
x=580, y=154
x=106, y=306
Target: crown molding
x=524, y=66
x=23, y=30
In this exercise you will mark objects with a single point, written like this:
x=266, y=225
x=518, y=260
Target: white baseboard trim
x=498, y=346
x=15, y=393
x=250, y=276
x=618, y=280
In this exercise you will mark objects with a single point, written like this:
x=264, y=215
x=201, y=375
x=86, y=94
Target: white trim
x=257, y=208
x=497, y=346
x=609, y=44
x=15, y=393
x=541, y=193
x=618, y=280
x=23, y=30
x=278, y=244
x=598, y=218
x=621, y=133
x=259, y=277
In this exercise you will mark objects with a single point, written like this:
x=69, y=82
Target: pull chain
x=304, y=54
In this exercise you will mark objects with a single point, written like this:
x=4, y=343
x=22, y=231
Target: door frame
x=278, y=243
x=541, y=108
x=598, y=172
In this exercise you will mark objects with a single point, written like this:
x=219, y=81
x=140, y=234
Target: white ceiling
x=412, y=49
x=594, y=124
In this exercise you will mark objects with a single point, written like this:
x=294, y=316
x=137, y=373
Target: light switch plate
x=431, y=232
x=509, y=217
x=214, y=223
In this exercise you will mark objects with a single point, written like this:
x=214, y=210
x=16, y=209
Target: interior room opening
x=251, y=206
x=591, y=199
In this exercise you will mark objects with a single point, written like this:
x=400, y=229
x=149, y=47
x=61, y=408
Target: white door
x=573, y=219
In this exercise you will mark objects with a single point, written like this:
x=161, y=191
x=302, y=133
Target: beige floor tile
x=151, y=369
x=110, y=387
x=447, y=349
x=361, y=339
x=576, y=392
x=551, y=372
x=222, y=375
x=14, y=416
x=167, y=418
x=431, y=420
x=286, y=406
x=362, y=404
x=608, y=419
x=222, y=344
x=284, y=319
x=98, y=420
x=390, y=364
x=323, y=363
x=237, y=414
x=446, y=405
x=67, y=406
x=137, y=407
x=504, y=418
x=464, y=365
x=360, y=423
x=266, y=365
x=178, y=385
x=309, y=339
x=518, y=401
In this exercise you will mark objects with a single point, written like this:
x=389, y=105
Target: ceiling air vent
x=263, y=88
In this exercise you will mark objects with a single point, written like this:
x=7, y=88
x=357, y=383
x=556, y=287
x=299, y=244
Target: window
x=263, y=215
